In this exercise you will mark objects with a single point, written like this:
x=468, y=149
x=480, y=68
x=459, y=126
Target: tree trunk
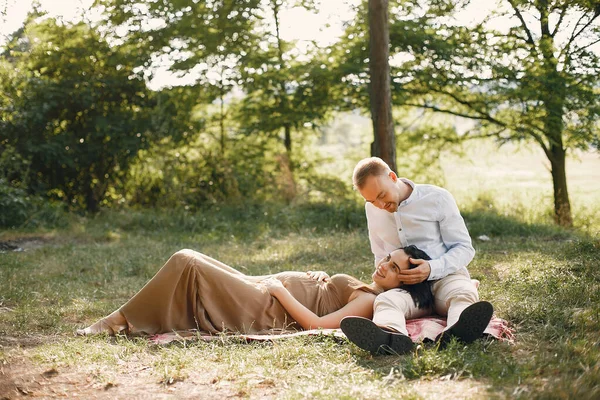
x=287, y=139
x=562, y=205
x=222, y=119
x=554, y=95
x=384, y=144
x=284, y=108
x=91, y=202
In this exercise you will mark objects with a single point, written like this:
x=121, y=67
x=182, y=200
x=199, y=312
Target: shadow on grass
x=486, y=358
x=492, y=223
x=246, y=223
x=550, y=289
x=252, y=220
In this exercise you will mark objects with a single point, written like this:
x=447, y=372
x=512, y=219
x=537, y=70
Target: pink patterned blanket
x=419, y=329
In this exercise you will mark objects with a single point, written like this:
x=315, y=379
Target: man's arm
x=456, y=238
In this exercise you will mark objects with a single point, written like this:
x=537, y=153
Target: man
x=401, y=213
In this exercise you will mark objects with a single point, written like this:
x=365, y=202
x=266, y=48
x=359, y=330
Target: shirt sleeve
x=377, y=245
x=456, y=238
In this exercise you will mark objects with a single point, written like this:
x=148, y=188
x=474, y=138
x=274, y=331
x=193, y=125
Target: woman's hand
x=319, y=276
x=274, y=286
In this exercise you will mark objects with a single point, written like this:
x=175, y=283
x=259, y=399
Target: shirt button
x=399, y=229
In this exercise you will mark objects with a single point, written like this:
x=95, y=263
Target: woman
x=193, y=290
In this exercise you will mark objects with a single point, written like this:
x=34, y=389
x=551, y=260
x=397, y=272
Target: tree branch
x=540, y=140
x=583, y=48
x=563, y=12
x=574, y=35
x=455, y=113
x=527, y=31
x=580, y=81
x=482, y=117
x=467, y=104
x=483, y=136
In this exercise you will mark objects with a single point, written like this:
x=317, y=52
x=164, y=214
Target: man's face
x=382, y=191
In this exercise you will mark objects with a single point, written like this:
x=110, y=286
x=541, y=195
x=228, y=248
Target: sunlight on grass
x=540, y=277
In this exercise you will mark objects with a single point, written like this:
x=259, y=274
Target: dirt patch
x=12, y=342
x=503, y=270
x=132, y=382
x=24, y=243
x=9, y=246
x=450, y=389
x=20, y=377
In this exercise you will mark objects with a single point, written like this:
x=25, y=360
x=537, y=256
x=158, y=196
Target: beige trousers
x=452, y=295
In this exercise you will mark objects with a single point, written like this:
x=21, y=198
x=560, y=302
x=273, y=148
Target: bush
x=14, y=204
x=20, y=210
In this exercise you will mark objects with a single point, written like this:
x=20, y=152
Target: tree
x=384, y=143
x=231, y=44
x=537, y=80
x=74, y=108
x=286, y=91
x=192, y=37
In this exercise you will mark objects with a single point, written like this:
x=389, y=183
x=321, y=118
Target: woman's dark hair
x=420, y=292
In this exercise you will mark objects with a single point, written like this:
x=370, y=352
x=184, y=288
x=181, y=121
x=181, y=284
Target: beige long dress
x=194, y=291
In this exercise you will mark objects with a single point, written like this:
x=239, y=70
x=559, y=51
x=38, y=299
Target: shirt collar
x=412, y=194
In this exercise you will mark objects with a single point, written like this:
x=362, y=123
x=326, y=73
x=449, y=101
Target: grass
x=543, y=279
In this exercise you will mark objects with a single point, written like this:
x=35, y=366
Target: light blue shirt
x=429, y=219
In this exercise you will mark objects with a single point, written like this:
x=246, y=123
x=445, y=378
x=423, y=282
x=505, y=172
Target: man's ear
x=393, y=175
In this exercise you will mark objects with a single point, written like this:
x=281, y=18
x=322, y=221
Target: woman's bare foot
x=110, y=325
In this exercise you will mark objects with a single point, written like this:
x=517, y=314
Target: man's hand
x=415, y=275
x=318, y=276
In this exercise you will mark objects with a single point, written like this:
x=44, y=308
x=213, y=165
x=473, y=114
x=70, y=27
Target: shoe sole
x=472, y=322
x=368, y=336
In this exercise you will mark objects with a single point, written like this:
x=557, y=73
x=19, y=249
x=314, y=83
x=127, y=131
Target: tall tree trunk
x=380, y=95
x=553, y=97
x=287, y=181
x=222, y=118
x=282, y=98
x=557, y=157
x=562, y=205
x=287, y=140
x=287, y=171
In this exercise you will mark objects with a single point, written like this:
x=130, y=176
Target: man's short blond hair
x=372, y=166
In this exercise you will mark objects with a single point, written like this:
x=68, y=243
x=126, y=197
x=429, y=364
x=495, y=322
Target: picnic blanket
x=419, y=330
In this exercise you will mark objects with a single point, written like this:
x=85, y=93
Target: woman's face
x=386, y=274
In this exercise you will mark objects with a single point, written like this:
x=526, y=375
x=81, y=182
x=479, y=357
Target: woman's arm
x=360, y=306
x=318, y=275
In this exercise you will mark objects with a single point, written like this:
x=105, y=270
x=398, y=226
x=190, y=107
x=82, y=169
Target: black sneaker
x=471, y=323
x=365, y=334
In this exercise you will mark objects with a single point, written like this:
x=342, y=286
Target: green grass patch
x=543, y=279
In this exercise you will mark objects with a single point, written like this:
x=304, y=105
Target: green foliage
x=15, y=205
x=534, y=81
x=203, y=28
x=537, y=81
x=73, y=107
x=21, y=209
x=281, y=91
x=197, y=175
x=283, y=96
